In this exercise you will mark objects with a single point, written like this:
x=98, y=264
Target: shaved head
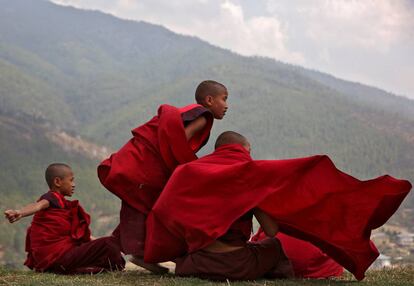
x=209, y=87
x=54, y=170
x=231, y=137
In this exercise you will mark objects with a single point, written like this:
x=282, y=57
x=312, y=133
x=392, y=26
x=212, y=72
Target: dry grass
x=397, y=276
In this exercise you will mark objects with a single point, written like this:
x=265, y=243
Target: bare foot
x=153, y=267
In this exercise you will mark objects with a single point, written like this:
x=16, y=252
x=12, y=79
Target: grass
x=396, y=276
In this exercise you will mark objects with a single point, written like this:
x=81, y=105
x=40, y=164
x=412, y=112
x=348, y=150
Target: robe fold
x=138, y=172
x=54, y=232
x=307, y=260
x=251, y=261
x=308, y=197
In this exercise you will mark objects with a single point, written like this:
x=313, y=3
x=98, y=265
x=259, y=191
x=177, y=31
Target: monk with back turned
x=205, y=210
x=231, y=255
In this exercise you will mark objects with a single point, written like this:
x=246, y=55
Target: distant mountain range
x=72, y=77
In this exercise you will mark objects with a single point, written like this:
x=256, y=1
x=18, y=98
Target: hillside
x=95, y=77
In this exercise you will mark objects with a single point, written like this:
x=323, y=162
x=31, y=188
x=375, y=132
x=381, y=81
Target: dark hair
x=230, y=137
x=208, y=87
x=55, y=170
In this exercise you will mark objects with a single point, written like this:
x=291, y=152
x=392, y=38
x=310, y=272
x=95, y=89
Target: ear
x=57, y=182
x=209, y=100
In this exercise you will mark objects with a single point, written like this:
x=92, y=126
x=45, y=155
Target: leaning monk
x=59, y=239
x=231, y=256
x=138, y=172
x=309, y=198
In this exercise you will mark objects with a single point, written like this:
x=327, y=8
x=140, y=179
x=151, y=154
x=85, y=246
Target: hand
x=13, y=215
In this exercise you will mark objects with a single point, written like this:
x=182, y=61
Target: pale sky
x=368, y=41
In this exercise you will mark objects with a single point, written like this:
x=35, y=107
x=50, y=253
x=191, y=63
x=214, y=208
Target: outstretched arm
x=15, y=215
x=268, y=224
x=195, y=126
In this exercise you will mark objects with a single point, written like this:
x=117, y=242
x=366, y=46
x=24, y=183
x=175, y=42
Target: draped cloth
x=54, y=232
x=308, y=197
x=138, y=172
x=252, y=260
x=307, y=260
x=264, y=259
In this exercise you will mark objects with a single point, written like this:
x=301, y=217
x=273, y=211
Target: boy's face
x=217, y=105
x=66, y=184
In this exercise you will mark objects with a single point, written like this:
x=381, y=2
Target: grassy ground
x=397, y=276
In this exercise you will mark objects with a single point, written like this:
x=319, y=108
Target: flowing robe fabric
x=307, y=260
x=309, y=198
x=138, y=172
x=55, y=231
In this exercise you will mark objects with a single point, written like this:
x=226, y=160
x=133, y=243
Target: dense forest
x=95, y=77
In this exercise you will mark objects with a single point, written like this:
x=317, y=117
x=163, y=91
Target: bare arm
x=268, y=225
x=195, y=126
x=15, y=215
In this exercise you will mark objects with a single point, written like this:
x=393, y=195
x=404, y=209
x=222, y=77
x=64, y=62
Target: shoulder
x=53, y=199
x=194, y=111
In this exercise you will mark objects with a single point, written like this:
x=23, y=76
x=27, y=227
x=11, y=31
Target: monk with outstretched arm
x=59, y=239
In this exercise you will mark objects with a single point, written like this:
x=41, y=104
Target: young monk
x=59, y=238
x=309, y=198
x=231, y=256
x=138, y=172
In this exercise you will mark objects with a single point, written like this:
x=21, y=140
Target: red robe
x=307, y=260
x=308, y=197
x=138, y=172
x=55, y=231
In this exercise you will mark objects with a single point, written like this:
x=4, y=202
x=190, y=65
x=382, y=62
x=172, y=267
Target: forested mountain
x=95, y=77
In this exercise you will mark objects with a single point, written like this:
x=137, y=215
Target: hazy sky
x=369, y=41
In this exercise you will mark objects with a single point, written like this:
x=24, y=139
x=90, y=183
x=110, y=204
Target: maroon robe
x=53, y=232
x=308, y=197
x=308, y=261
x=251, y=261
x=60, y=232
x=95, y=256
x=138, y=172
